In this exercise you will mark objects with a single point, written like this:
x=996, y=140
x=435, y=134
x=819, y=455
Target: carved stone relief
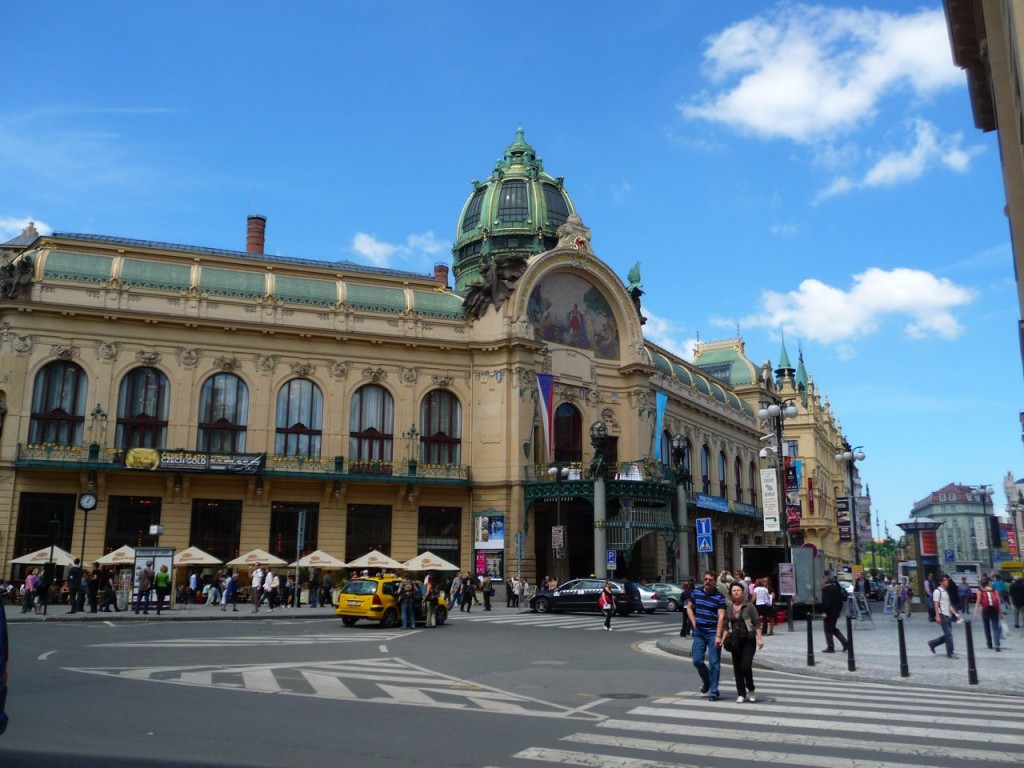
x=410, y=375
x=338, y=370
x=147, y=358
x=266, y=363
x=303, y=369
x=61, y=351
x=227, y=364
x=188, y=358
x=107, y=351
x=375, y=375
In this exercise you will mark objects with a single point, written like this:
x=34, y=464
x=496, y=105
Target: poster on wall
x=155, y=559
x=490, y=564
x=489, y=530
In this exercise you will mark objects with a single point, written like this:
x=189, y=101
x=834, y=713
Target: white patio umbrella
x=121, y=556
x=318, y=559
x=256, y=556
x=195, y=556
x=375, y=559
x=42, y=556
x=428, y=561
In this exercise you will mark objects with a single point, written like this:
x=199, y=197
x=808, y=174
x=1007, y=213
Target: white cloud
x=11, y=226
x=783, y=230
x=668, y=335
x=383, y=254
x=807, y=73
x=830, y=315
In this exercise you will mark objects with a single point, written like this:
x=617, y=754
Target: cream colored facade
x=99, y=309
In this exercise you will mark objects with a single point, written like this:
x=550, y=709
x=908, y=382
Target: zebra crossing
x=252, y=640
x=380, y=680
x=800, y=722
x=637, y=625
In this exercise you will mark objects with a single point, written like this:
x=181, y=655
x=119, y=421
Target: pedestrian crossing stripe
x=251, y=641
x=376, y=680
x=585, y=622
x=687, y=732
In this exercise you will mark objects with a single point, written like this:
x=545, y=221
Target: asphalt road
x=487, y=690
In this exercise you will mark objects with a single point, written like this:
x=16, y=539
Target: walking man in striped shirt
x=706, y=611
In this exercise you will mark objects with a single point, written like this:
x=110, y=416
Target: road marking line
x=42, y=656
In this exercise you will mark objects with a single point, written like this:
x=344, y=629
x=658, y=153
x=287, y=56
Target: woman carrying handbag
x=743, y=636
x=606, y=601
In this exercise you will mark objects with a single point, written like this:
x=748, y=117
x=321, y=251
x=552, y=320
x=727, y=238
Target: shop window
x=284, y=529
x=35, y=511
x=438, y=530
x=368, y=528
x=217, y=527
x=128, y=521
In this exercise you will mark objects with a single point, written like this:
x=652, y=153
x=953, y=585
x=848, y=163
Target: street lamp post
x=683, y=486
x=849, y=456
x=775, y=414
x=558, y=473
x=985, y=491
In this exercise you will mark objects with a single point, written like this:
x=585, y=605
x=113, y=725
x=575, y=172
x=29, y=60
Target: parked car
x=673, y=594
x=5, y=657
x=374, y=599
x=581, y=595
x=651, y=599
x=875, y=590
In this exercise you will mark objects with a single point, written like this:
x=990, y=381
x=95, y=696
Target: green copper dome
x=516, y=212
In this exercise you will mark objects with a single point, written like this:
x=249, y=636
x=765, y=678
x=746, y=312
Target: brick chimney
x=255, y=234
x=441, y=273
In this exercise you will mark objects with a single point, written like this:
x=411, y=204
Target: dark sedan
x=579, y=595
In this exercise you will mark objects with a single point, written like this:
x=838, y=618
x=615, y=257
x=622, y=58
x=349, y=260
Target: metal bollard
x=851, y=665
x=972, y=668
x=904, y=667
x=810, y=641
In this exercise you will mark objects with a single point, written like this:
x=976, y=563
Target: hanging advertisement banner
x=770, y=496
x=929, y=544
x=489, y=530
x=844, y=505
x=793, y=509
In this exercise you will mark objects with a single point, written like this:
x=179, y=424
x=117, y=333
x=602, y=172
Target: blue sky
x=812, y=168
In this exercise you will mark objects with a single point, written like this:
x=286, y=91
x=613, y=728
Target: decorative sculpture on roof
x=14, y=276
x=574, y=234
x=636, y=290
x=500, y=276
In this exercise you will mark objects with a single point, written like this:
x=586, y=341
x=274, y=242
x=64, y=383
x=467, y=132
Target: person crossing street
x=706, y=611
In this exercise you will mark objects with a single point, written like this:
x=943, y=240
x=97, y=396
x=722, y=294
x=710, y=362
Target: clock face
x=87, y=501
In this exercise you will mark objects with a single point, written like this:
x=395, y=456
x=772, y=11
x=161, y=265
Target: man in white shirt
x=947, y=614
x=256, y=587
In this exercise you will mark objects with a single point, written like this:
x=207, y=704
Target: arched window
x=58, y=405
x=513, y=202
x=143, y=403
x=371, y=424
x=440, y=428
x=705, y=468
x=568, y=434
x=754, y=477
x=300, y=419
x=738, y=478
x=223, y=414
x=723, y=476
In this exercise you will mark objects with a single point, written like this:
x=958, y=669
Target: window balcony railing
x=96, y=456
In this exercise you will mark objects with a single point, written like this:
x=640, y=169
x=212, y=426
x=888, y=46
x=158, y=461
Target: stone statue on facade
x=14, y=276
x=500, y=276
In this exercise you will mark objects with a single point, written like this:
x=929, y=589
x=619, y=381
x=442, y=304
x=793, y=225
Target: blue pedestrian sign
x=704, y=543
x=703, y=526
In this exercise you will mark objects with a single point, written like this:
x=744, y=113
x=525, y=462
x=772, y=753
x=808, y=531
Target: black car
x=580, y=595
x=5, y=655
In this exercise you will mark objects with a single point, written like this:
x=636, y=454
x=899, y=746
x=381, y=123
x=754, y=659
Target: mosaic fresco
x=566, y=309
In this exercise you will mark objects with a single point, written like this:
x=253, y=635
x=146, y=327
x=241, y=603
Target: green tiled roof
x=232, y=282
x=375, y=298
x=301, y=290
x=436, y=304
x=156, y=274
x=78, y=267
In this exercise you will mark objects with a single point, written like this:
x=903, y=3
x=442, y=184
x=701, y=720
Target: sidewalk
x=877, y=655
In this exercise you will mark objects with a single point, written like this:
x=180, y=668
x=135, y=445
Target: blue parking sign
x=611, y=559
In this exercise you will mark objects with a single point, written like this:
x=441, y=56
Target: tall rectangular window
x=128, y=521
x=35, y=511
x=217, y=527
x=438, y=531
x=368, y=528
x=284, y=529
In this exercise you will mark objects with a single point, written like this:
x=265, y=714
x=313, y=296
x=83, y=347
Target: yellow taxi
x=373, y=598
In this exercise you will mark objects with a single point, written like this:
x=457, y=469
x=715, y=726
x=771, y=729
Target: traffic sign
x=519, y=541
x=703, y=526
x=950, y=556
x=611, y=559
x=704, y=544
